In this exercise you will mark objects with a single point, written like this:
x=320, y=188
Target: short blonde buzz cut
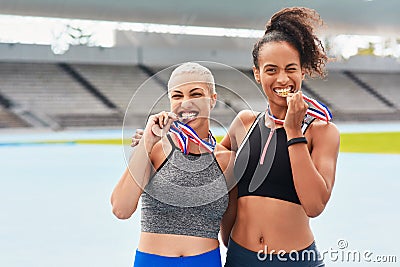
x=191, y=72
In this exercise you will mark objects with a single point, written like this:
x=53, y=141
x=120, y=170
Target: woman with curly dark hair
x=286, y=159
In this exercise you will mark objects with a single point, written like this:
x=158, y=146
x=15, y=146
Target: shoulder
x=247, y=116
x=239, y=128
x=322, y=132
x=318, y=127
x=243, y=120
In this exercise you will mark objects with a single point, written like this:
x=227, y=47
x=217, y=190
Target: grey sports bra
x=187, y=195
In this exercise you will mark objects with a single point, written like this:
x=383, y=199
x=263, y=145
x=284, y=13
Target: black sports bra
x=274, y=177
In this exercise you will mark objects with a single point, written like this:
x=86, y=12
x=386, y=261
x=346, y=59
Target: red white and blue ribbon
x=319, y=111
x=184, y=133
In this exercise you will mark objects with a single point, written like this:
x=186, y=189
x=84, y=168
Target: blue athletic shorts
x=209, y=259
x=238, y=256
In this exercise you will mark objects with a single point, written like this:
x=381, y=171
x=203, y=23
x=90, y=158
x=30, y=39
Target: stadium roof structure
x=371, y=17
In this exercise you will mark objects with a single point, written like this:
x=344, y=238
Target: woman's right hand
x=157, y=126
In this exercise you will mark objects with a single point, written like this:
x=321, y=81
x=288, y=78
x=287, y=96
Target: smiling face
x=279, y=71
x=192, y=102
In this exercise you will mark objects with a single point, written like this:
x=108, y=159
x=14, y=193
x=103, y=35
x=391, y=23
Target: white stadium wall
x=162, y=51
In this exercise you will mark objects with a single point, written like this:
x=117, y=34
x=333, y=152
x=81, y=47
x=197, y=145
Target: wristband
x=297, y=140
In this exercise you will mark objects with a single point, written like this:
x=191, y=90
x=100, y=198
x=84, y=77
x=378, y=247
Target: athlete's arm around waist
x=226, y=159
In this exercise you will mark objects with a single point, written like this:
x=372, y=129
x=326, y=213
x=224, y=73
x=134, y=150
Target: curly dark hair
x=296, y=26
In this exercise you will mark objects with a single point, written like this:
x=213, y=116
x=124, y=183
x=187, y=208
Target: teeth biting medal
x=316, y=109
x=185, y=116
x=184, y=133
x=283, y=92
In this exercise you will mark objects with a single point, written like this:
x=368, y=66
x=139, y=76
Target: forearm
x=225, y=231
x=140, y=164
x=126, y=194
x=310, y=185
x=228, y=220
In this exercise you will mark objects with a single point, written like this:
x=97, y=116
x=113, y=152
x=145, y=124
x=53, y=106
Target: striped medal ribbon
x=319, y=111
x=185, y=133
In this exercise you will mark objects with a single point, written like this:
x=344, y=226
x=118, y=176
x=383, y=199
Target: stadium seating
x=10, y=120
x=45, y=88
x=386, y=83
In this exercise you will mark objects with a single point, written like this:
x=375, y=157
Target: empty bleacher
x=129, y=87
x=47, y=91
x=348, y=98
x=121, y=83
x=387, y=84
x=10, y=120
x=45, y=88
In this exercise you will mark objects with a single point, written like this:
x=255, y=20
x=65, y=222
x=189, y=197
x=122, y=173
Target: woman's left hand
x=296, y=111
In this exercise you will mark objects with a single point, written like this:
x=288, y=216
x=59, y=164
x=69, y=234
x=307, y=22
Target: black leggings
x=238, y=256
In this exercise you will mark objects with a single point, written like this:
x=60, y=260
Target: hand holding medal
x=296, y=111
x=315, y=108
x=163, y=123
x=304, y=105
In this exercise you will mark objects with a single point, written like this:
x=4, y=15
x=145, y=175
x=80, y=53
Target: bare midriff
x=271, y=225
x=175, y=245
